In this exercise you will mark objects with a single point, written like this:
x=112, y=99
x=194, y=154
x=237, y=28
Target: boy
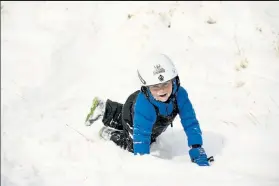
x=148, y=112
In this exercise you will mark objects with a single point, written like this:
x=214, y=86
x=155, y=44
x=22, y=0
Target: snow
x=56, y=56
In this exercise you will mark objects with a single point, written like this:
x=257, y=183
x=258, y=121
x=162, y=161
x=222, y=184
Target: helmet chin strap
x=173, y=93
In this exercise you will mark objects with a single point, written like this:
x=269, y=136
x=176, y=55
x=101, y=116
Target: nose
x=161, y=91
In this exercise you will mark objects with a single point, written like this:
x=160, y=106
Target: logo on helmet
x=161, y=78
x=141, y=79
x=158, y=69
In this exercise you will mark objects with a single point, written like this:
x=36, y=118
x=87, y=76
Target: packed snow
x=57, y=56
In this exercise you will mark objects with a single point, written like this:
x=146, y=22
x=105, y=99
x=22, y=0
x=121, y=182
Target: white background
x=56, y=56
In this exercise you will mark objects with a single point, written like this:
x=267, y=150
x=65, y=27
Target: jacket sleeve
x=188, y=118
x=144, y=119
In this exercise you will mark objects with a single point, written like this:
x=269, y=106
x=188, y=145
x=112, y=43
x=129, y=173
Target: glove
x=198, y=156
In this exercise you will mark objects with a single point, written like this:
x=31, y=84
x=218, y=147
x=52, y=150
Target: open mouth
x=163, y=95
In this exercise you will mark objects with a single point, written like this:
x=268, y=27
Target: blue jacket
x=145, y=117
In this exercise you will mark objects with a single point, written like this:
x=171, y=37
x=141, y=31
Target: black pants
x=119, y=116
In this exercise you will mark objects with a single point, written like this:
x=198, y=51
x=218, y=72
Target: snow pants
x=119, y=116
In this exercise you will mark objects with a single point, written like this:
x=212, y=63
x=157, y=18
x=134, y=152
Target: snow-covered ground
x=56, y=56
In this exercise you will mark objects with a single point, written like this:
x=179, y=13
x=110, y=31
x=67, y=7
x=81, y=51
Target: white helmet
x=156, y=68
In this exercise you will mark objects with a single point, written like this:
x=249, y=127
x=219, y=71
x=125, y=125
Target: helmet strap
x=144, y=89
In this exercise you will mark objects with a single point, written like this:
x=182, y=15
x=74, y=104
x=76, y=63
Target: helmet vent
x=141, y=79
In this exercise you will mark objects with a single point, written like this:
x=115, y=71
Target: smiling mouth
x=163, y=95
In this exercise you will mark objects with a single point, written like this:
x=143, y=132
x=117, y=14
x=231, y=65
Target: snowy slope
x=56, y=56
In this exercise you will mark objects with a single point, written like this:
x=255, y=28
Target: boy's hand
x=198, y=156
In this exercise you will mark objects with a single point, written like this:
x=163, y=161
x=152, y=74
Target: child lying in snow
x=148, y=112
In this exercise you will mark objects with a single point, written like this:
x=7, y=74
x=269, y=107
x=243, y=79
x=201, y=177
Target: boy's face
x=162, y=91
